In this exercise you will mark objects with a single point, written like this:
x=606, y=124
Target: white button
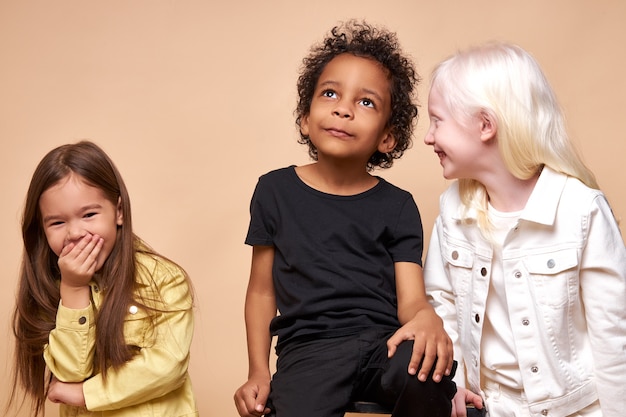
x=133, y=310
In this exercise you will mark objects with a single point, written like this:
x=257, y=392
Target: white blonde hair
x=505, y=82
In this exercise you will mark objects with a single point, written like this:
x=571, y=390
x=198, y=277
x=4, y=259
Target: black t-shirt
x=334, y=255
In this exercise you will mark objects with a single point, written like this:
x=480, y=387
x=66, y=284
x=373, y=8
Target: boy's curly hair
x=364, y=40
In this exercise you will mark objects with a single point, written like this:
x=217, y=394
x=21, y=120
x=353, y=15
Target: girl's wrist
x=75, y=297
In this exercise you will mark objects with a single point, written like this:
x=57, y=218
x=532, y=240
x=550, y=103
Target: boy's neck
x=337, y=180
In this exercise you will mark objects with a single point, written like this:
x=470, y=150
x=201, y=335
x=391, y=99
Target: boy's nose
x=343, y=111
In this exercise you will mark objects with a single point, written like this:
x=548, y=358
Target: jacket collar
x=543, y=201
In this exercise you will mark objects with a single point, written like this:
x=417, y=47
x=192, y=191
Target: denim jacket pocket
x=553, y=275
x=459, y=261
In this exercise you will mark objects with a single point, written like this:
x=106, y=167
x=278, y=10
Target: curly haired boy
x=337, y=251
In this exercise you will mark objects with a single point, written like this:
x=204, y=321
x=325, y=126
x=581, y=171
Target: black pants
x=320, y=378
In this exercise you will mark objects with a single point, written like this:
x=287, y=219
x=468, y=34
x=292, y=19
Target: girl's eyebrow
x=91, y=207
x=48, y=218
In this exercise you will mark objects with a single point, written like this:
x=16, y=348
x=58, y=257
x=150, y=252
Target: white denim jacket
x=564, y=268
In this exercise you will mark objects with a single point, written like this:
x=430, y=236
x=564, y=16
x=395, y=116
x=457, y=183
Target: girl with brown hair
x=103, y=324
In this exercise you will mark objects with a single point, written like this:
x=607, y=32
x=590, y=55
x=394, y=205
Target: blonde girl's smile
x=458, y=141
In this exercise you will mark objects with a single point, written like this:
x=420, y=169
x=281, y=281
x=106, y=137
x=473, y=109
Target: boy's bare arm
x=421, y=324
x=260, y=309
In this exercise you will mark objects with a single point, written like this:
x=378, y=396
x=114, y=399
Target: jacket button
x=544, y=412
x=483, y=271
x=534, y=369
x=518, y=274
x=82, y=320
x=477, y=318
x=525, y=322
x=455, y=255
x=551, y=263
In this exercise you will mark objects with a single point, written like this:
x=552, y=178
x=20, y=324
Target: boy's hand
x=462, y=398
x=430, y=344
x=251, y=397
x=69, y=393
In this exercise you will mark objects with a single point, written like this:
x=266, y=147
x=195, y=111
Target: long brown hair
x=38, y=293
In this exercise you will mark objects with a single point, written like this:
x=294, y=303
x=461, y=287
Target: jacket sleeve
x=603, y=289
x=69, y=353
x=160, y=366
x=440, y=293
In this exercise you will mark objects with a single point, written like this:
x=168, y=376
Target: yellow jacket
x=155, y=382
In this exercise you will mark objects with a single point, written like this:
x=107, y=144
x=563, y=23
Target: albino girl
x=526, y=265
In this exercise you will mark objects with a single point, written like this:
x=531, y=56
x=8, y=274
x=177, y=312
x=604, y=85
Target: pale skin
x=80, y=226
x=347, y=124
x=476, y=137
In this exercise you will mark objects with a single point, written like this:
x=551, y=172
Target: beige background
x=193, y=100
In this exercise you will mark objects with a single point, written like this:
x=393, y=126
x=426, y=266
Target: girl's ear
x=488, y=126
x=388, y=143
x=120, y=216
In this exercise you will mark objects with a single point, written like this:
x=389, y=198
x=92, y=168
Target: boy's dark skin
x=348, y=121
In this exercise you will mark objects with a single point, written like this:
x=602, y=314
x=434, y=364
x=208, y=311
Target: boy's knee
x=397, y=379
x=397, y=371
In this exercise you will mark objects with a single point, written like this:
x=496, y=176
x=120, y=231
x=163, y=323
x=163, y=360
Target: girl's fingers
x=83, y=251
x=92, y=258
x=78, y=260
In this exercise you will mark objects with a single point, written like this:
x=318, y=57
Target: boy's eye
x=367, y=102
x=329, y=93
